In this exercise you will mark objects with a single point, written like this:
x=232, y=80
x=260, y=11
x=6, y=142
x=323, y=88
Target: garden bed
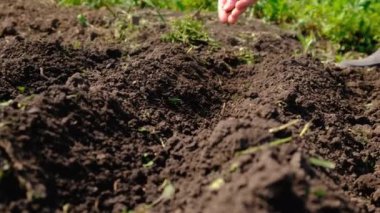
x=91, y=122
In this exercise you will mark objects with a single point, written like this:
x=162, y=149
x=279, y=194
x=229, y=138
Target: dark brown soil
x=92, y=122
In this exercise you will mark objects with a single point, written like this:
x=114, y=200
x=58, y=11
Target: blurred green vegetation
x=180, y=5
x=188, y=31
x=184, y=5
x=351, y=25
x=94, y=3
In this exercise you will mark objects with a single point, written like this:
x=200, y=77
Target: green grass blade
x=322, y=163
x=274, y=143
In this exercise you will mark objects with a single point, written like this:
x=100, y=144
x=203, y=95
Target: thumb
x=223, y=16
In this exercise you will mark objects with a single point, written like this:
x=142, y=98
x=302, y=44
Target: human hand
x=230, y=10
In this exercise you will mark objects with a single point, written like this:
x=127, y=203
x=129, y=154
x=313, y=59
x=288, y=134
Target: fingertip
x=223, y=21
x=236, y=13
x=223, y=17
x=234, y=16
x=232, y=20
